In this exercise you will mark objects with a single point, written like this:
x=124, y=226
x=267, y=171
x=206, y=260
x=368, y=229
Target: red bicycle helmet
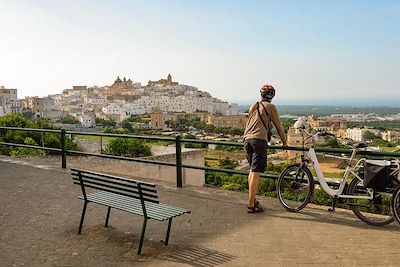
x=267, y=91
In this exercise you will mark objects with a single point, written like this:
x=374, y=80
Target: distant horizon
x=346, y=102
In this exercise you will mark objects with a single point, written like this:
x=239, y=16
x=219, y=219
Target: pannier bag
x=376, y=174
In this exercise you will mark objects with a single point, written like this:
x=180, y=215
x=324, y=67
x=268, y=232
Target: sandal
x=257, y=207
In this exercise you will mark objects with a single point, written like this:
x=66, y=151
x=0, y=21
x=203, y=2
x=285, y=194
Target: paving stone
x=40, y=213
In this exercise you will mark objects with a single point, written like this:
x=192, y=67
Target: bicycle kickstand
x=332, y=209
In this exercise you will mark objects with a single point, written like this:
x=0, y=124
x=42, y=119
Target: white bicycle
x=295, y=185
x=396, y=204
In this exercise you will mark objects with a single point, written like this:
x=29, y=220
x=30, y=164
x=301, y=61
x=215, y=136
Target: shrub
x=321, y=198
x=29, y=137
x=52, y=141
x=232, y=186
x=128, y=147
x=213, y=178
x=227, y=163
x=193, y=145
x=19, y=151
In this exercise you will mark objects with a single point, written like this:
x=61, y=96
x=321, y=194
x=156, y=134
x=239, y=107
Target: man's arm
x=278, y=125
x=248, y=117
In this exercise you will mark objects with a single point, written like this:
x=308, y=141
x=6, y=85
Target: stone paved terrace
x=40, y=211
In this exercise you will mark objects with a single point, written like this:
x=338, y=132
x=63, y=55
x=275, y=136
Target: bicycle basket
x=376, y=174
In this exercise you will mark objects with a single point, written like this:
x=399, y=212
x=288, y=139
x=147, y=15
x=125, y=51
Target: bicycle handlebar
x=318, y=133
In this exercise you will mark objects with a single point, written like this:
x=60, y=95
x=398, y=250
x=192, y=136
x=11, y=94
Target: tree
x=333, y=142
x=193, y=145
x=227, y=163
x=368, y=135
x=28, y=114
x=68, y=120
x=52, y=140
x=134, y=118
x=287, y=123
x=127, y=125
x=105, y=123
x=128, y=147
x=19, y=151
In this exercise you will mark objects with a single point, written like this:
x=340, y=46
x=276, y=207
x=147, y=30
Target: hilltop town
x=117, y=102
x=166, y=104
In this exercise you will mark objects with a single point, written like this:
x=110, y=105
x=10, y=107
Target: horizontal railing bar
x=264, y=175
x=120, y=158
x=32, y=146
x=157, y=138
x=30, y=129
x=183, y=140
x=340, y=151
x=238, y=144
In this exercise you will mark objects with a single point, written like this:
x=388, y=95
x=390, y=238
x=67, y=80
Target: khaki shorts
x=256, y=150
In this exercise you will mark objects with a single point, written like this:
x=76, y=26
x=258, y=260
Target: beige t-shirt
x=254, y=126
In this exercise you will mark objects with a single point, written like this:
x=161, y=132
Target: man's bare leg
x=254, y=182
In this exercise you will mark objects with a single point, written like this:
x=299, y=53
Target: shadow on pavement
x=334, y=218
x=198, y=256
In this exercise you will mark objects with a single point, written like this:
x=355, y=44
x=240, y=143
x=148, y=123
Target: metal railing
x=178, y=150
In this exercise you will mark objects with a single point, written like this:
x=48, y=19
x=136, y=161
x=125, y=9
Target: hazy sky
x=310, y=50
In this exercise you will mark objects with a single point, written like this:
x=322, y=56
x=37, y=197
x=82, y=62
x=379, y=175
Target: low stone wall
x=147, y=170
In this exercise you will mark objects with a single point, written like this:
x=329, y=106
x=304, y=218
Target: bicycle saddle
x=361, y=145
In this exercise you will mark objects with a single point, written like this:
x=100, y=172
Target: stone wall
x=147, y=170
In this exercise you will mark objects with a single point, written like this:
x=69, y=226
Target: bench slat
x=103, y=179
x=112, y=176
x=149, y=194
x=150, y=207
x=128, y=207
x=107, y=187
x=152, y=210
x=173, y=207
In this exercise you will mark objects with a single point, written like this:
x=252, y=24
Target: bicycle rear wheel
x=374, y=211
x=295, y=187
x=396, y=204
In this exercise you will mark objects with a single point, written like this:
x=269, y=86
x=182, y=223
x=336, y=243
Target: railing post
x=101, y=144
x=63, y=154
x=178, y=161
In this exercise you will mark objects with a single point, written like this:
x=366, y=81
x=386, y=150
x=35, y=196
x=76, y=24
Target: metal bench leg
x=108, y=216
x=142, y=236
x=168, y=231
x=82, y=217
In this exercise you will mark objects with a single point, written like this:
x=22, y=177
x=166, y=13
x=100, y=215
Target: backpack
x=378, y=174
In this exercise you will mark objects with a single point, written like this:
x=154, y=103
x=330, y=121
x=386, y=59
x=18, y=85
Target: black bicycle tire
x=310, y=191
x=395, y=200
x=355, y=210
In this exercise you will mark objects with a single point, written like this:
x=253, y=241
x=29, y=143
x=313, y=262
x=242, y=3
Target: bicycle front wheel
x=374, y=211
x=396, y=204
x=295, y=187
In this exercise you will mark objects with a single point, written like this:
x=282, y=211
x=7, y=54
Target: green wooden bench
x=132, y=196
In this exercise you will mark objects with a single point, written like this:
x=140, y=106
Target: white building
x=112, y=109
x=39, y=105
x=87, y=119
x=8, y=101
x=357, y=134
x=391, y=136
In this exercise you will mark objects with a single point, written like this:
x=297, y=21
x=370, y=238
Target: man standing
x=256, y=135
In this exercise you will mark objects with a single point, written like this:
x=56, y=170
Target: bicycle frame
x=312, y=156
